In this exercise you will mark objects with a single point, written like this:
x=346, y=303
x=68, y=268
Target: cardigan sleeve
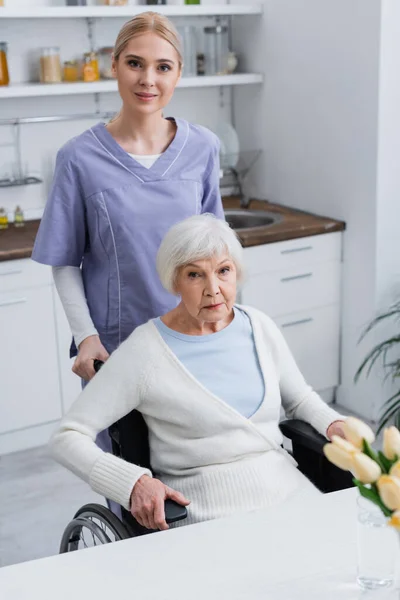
x=299, y=400
x=114, y=392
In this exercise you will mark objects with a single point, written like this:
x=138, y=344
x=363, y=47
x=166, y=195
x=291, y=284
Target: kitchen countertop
x=295, y=223
x=17, y=242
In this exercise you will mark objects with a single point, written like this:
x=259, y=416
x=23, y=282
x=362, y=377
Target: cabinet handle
x=12, y=272
x=10, y=302
x=302, y=276
x=301, y=249
x=299, y=322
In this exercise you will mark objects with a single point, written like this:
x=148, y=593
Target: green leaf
x=385, y=462
x=372, y=454
x=372, y=494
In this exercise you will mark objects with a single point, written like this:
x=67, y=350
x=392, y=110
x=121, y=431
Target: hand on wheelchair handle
x=89, y=350
x=147, y=502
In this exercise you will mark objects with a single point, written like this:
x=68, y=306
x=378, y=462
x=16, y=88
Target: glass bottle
x=3, y=219
x=50, y=65
x=192, y=1
x=156, y=1
x=19, y=220
x=90, y=67
x=4, y=76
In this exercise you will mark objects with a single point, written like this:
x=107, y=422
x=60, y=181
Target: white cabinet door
x=313, y=338
x=70, y=383
x=29, y=388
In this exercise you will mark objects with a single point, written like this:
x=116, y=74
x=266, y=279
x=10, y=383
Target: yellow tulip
x=391, y=443
x=340, y=453
x=356, y=430
x=394, y=520
x=395, y=470
x=389, y=491
x=364, y=468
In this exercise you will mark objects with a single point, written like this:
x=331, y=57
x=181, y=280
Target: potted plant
x=383, y=350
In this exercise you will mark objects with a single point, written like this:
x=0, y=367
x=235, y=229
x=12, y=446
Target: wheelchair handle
x=97, y=364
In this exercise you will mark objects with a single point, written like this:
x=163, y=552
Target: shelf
x=73, y=12
x=26, y=90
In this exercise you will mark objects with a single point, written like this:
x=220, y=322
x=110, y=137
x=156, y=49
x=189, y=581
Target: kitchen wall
x=329, y=122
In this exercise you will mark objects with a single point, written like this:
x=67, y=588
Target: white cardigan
x=201, y=446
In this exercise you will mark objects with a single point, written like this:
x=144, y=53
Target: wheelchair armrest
x=304, y=434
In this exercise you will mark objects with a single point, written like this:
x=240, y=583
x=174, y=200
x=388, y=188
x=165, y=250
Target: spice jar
x=105, y=62
x=3, y=219
x=90, y=67
x=50, y=65
x=70, y=71
x=4, y=77
x=19, y=220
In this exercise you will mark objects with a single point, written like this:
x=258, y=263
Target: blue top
x=109, y=213
x=226, y=362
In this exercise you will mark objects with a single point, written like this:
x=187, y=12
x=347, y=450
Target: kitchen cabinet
x=30, y=391
x=298, y=283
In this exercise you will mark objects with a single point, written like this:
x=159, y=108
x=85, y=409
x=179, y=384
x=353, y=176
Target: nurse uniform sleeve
x=211, y=202
x=61, y=238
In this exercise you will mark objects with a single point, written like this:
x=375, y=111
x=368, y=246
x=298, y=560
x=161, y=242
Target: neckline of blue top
x=208, y=337
x=162, y=166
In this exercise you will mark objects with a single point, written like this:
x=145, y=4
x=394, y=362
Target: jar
x=189, y=45
x=70, y=71
x=105, y=62
x=115, y=2
x=216, y=49
x=90, y=67
x=50, y=65
x=4, y=76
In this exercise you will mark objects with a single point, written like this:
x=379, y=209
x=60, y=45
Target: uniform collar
x=162, y=168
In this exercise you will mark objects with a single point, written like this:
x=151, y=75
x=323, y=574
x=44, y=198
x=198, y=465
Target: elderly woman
x=209, y=377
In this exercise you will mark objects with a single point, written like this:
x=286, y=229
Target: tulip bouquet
x=376, y=474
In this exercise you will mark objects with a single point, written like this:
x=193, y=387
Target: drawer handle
x=299, y=322
x=13, y=272
x=301, y=249
x=11, y=302
x=302, y=276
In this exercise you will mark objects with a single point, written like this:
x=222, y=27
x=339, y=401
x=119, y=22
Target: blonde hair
x=149, y=22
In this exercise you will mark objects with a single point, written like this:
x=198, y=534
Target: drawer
x=293, y=253
x=313, y=338
x=22, y=274
x=298, y=288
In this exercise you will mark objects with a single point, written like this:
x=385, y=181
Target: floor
x=38, y=498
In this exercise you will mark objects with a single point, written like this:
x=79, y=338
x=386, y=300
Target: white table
x=300, y=550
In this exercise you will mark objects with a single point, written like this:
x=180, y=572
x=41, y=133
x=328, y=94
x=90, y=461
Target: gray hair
x=196, y=238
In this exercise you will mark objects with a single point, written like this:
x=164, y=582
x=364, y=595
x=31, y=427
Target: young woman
x=117, y=189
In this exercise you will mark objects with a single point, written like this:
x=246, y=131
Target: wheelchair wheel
x=92, y=525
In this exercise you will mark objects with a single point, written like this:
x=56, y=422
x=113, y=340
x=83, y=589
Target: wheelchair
x=94, y=525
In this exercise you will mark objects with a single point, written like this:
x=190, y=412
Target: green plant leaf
x=372, y=454
x=372, y=494
x=385, y=462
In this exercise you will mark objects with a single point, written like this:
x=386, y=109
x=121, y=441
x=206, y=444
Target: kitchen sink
x=250, y=219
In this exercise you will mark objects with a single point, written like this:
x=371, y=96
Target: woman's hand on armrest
x=89, y=349
x=335, y=428
x=147, y=502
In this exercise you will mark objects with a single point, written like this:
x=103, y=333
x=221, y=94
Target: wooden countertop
x=294, y=224
x=17, y=242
